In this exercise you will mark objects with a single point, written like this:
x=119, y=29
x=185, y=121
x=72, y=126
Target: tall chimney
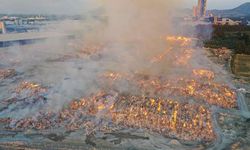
x=202, y=8
x=2, y=27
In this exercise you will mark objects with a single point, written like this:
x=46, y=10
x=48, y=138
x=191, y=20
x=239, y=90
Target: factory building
x=2, y=28
x=225, y=21
x=195, y=13
x=200, y=10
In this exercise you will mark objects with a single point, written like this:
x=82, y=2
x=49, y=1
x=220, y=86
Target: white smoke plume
x=137, y=19
x=130, y=32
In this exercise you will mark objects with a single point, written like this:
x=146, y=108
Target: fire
x=209, y=92
x=168, y=117
x=113, y=75
x=202, y=73
x=161, y=104
x=160, y=57
x=33, y=88
x=152, y=102
x=171, y=118
x=101, y=107
x=181, y=39
x=5, y=73
x=184, y=58
x=190, y=90
x=25, y=95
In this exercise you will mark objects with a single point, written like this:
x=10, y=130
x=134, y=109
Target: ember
x=176, y=107
x=171, y=118
x=161, y=56
x=180, y=39
x=204, y=74
x=168, y=117
x=6, y=73
x=206, y=91
x=26, y=95
x=31, y=88
x=183, y=60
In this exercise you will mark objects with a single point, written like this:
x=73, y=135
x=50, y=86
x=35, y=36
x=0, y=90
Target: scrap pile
x=200, y=88
x=176, y=107
x=170, y=118
x=6, y=73
x=26, y=95
x=80, y=53
x=223, y=53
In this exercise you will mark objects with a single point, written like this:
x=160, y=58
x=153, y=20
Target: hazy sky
x=219, y=4
x=45, y=6
x=81, y=6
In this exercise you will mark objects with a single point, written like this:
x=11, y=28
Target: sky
x=81, y=6
x=218, y=4
x=45, y=6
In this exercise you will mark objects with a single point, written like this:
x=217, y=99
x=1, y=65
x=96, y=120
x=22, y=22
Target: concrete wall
x=241, y=65
x=2, y=27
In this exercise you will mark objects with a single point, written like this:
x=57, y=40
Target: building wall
x=225, y=21
x=195, y=11
x=2, y=27
x=202, y=8
x=199, y=8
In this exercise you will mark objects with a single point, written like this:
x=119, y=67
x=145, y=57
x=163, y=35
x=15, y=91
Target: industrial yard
x=199, y=109
x=123, y=80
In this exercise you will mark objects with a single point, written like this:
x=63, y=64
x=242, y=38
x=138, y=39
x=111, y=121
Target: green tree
x=219, y=33
x=241, y=47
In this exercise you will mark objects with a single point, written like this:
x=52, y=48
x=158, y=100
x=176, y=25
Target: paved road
x=30, y=36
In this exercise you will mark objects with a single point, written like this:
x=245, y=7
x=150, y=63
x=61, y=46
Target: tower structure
x=2, y=27
x=202, y=8
x=195, y=12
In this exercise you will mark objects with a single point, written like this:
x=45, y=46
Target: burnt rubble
x=7, y=73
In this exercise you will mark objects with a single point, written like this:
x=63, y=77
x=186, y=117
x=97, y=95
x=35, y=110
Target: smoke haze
x=129, y=34
x=66, y=7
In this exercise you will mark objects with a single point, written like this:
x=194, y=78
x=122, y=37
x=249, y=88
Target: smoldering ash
x=129, y=70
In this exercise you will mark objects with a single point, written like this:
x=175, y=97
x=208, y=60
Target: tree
x=241, y=47
x=218, y=32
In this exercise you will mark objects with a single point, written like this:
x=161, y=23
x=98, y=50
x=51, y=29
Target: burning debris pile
x=176, y=107
x=182, y=119
x=204, y=90
x=26, y=95
x=128, y=70
x=176, y=46
x=183, y=41
x=222, y=53
x=6, y=73
x=81, y=53
x=171, y=118
x=204, y=74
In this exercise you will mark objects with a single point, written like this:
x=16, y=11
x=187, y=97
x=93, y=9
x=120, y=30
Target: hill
x=240, y=11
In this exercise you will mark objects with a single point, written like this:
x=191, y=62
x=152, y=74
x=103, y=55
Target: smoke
x=135, y=29
x=132, y=20
x=131, y=33
x=128, y=33
x=128, y=37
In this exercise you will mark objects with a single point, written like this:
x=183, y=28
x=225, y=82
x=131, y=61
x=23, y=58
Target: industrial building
x=225, y=21
x=200, y=10
x=2, y=27
x=21, y=25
